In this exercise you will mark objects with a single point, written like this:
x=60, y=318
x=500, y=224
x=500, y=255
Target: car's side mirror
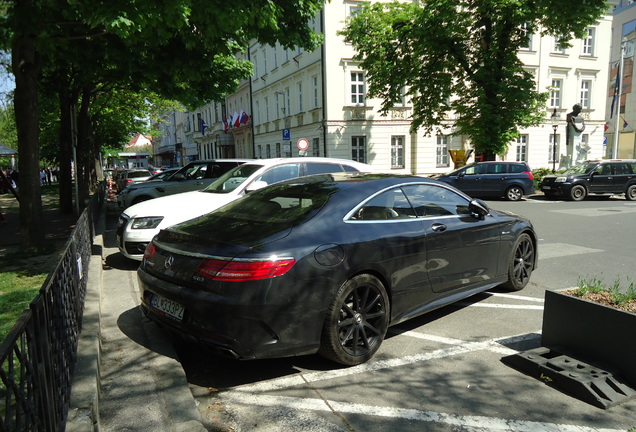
x=478, y=209
x=258, y=184
x=178, y=177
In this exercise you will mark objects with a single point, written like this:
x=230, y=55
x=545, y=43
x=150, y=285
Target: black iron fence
x=38, y=355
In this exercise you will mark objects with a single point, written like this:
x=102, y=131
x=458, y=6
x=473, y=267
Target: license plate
x=168, y=307
x=546, y=188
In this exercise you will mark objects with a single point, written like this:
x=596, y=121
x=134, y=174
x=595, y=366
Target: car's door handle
x=438, y=227
x=198, y=183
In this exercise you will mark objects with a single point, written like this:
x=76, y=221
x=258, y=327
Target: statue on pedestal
x=575, y=128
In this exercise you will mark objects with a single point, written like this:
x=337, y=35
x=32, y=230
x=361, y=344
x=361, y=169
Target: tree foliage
x=460, y=56
x=85, y=51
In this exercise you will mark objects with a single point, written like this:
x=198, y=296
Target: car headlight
x=560, y=180
x=146, y=222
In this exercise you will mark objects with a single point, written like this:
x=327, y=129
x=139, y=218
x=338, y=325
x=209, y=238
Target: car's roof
x=218, y=160
x=310, y=159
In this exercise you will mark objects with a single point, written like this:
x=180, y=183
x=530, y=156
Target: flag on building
x=235, y=120
x=616, y=92
x=226, y=125
x=244, y=117
x=606, y=128
x=625, y=124
x=203, y=126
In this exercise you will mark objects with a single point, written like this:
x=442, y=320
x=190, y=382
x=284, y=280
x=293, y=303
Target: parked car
x=511, y=180
x=139, y=223
x=326, y=263
x=194, y=176
x=163, y=174
x=593, y=177
x=129, y=177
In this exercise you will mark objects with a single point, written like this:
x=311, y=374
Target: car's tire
x=356, y=321
x=630, y=193
x=139, y=199
x=578, y=193
x=521, y=263
x=514, y=193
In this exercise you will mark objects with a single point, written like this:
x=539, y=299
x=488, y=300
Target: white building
x=320, y=97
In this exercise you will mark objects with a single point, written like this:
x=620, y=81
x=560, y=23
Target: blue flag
x=616, y=91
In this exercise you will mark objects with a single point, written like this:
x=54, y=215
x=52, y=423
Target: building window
x=315, y=147
x=266, y=109
x=278, y=109
x=264, y=61
x=278, y=153
x=521, y=148
x=316, y=94
x=557, y=48
x=397, y=151
x=358, y=149
x=527, y=42
x=287, y=101
x=555, y=93
x=441, y=151
x=300, y=97
x=554, y=148
x=588, y=42
x=268, y=151
x=586, y=86
x=275, y=49
x=259, y=152
x=357, y=88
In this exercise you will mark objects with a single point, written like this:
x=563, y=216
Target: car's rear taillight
x=237, y=271
x=530, y=175
x=128, y=181
x=150, y=250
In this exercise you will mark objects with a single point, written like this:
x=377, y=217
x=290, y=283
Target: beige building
x=319, y=98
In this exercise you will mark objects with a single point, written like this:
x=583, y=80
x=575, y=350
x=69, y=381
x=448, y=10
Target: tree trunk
x=65, y=157
x=26, y=68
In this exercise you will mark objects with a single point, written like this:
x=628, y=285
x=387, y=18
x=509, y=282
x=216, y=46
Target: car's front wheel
x=578, y=193
x=521, y=263
x=356, y=321
x=514, y=193
x=630, y=193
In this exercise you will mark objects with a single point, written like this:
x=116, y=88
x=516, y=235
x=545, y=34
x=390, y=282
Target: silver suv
x=194, y=176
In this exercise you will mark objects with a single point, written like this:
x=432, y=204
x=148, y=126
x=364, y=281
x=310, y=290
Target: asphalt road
x=442, y=371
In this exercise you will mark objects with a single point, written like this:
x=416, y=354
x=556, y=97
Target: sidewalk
x=127, y=377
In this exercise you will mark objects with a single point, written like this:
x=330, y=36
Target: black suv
x=511, y=180
x=600, y=177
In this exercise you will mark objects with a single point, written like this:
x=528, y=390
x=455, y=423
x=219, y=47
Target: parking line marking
x=499, y=306
x=466, y=347
x=556, y=250
x=515, y=297
x=479, y=422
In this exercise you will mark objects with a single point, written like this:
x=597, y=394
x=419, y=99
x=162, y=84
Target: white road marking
x=479, y=422
x=499, y=306
x=555, y=250
x=515, y=297
x=253, y=394
x=595, y=212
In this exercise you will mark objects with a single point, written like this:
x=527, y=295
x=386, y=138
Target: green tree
x=183, y=49
x=461, y=56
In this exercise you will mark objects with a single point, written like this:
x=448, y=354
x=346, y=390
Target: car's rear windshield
x=137, y=174
x=278, y=204
x=232, y=179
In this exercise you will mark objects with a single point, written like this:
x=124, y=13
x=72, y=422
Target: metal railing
x=38, y=356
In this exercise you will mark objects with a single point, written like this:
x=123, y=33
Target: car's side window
x=621, y=169
x=388, y=205
x=321, y=168
x=496, y=168
x=435, y=201
x=280, y=173
x=474, y=169
x=633, y=168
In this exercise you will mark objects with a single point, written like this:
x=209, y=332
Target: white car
x=138, y=224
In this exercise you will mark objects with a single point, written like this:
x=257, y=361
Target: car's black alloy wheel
x=356, y=321
x=630, y=194
x=521, y=263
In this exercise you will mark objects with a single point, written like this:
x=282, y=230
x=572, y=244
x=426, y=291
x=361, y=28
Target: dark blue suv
x=511, y=180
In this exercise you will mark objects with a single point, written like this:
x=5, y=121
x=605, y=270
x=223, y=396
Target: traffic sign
x=286, y=135
x=303, y=144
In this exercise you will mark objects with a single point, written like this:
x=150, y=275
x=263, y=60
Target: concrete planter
x=592, y=331
x=587, y=350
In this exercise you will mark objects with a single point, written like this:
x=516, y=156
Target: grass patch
x=21, y=277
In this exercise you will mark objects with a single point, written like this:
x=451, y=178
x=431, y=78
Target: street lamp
x=555, y=125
